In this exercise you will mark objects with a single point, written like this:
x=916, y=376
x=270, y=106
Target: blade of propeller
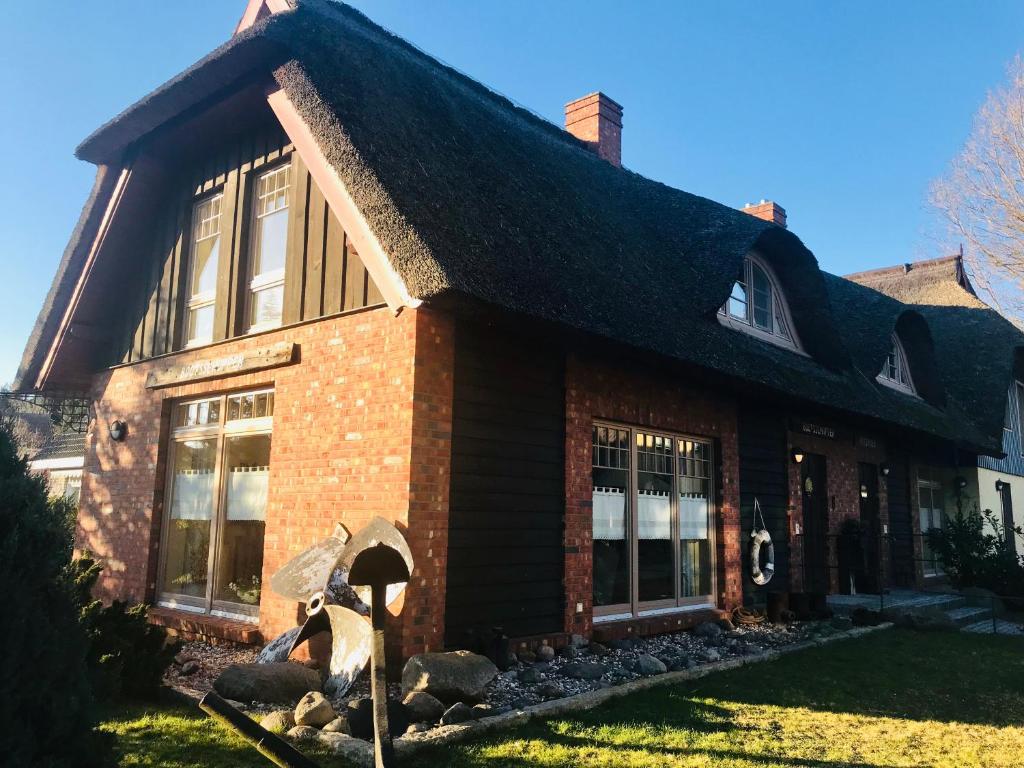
x=309, y=571
x=377, y=531
x=351, y=637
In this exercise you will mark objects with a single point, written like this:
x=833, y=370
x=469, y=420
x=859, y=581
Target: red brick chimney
x=597, y=120
x=768, y=211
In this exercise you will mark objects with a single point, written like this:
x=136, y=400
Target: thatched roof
x=474, y=198
x=979, y=348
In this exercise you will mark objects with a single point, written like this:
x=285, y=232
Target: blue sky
x=840, y=111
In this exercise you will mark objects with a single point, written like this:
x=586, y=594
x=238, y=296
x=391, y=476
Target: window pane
x=272, y=237
x=611, y=522
x=655, y=549
x=200, y=323
x=240, y=557
x=266, y=306
x=197, y=414
x=205, y=247
x=694, y=519
x=738, y=301
x=188, y=531
x=761, y=298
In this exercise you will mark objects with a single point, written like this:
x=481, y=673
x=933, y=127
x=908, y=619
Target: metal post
x=276, y=750
x=384, y=751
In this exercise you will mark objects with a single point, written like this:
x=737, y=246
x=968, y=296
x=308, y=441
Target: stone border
x=449, y=734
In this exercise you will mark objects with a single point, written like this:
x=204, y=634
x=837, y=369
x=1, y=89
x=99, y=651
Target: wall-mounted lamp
x=798, y=455
x=1000, y=485
x=863, y=491
x=884, y=469
x=118, y=430
x=961, y=482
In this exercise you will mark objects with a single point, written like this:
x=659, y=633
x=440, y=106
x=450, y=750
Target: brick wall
x=596, y=390
x=361, y=427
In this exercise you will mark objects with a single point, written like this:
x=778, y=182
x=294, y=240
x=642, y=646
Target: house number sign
x=258, y=359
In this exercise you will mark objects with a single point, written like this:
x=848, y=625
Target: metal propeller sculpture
x=321, y=577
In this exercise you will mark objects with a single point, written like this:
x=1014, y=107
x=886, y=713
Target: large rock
x=584, y=670
x=708, y=630
x=423, y=708
x=303, y=733
x=649, y=665
x=359, y=713
x=279, y=722
x=353, y=750
x=451, y=677
x=278, y=683
x=313, y=709
x=337, y=725
x=457, y=713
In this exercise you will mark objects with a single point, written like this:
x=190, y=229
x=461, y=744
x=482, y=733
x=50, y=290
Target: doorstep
x=643, y=626
x=214, y=630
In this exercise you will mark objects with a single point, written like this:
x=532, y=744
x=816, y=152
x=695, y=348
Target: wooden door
x=814, y=490
x=871, y=524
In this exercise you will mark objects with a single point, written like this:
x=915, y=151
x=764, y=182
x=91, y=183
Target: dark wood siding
x=507, y=503
x=764, y=476
x=323, y=273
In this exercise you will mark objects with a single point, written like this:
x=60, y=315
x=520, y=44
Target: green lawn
x=894, y=698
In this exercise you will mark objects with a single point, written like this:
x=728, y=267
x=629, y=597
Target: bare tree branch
x=982, y=196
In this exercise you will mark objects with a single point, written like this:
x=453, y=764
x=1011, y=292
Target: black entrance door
x=815, y=511
x=870, y=580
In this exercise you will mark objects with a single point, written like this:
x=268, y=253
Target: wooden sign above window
x=817, y=430
x=261, y=358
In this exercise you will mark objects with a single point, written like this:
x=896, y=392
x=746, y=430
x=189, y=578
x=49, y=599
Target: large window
x=204, y=256
x=756, y=306
x=652, y=521
x=895, y=372
x=269, y=247
x=216, y=504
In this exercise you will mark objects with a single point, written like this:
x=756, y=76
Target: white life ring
x=759, y=539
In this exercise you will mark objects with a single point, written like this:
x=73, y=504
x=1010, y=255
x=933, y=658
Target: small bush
x=127, y=655
x=47, y=713
x=974, y=552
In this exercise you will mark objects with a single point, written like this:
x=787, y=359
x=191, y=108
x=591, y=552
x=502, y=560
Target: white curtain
x=654, y=515
x=609, y=514
x=693, y=517
x=247, y=493
x=193, y=495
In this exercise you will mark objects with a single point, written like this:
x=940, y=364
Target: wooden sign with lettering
x=816, y=430
x=282, y=353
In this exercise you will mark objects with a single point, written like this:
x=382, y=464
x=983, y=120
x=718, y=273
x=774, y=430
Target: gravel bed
x=572, y=671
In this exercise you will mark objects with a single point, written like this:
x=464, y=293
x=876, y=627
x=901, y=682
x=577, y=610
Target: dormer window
x=756, y=306
x=895, y=371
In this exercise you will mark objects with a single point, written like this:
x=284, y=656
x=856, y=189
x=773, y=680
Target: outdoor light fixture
x=1000, y=485
x=961, y=482
x=118, y=430
x=884, y=469
x=863, y=491
x=798, y=455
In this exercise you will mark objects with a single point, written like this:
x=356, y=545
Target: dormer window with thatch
x=895, y=372
x=756, y=306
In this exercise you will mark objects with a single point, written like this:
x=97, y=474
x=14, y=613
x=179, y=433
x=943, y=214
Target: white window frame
x=220, y=430
x=930, y=568
x=274, y=278
x=196, y=301
x=779, y=310
x=903, y=382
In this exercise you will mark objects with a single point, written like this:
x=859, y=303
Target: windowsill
x=739, y=326
x=895, y=387
x=205, y=625
x=676, y=609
